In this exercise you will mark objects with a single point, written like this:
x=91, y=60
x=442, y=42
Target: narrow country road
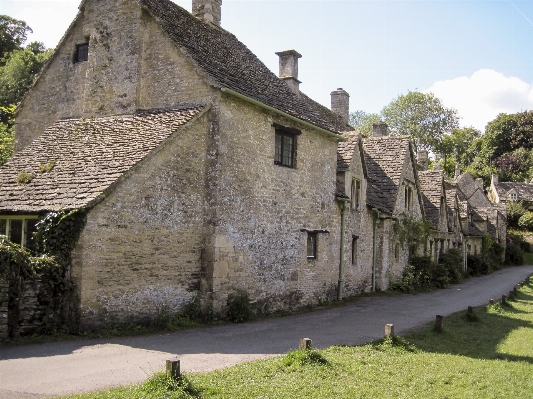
x=44, y=370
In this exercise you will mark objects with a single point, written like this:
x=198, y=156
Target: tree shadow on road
x=482, y=336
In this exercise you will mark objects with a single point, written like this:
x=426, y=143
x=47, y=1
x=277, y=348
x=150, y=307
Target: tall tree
x=458, y=148
x=422, y=116
x=17, y=75
x=363, y=122
x=13, y=34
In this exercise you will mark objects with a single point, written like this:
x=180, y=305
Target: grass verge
x=485, y=355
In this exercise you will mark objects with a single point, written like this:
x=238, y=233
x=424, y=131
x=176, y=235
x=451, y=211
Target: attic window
x=513, y=196
x=408, y=198
x=82, y=52
x=356, y=194
x=285, y=152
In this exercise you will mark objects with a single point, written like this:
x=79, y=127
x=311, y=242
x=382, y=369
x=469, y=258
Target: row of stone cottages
x=203, y=173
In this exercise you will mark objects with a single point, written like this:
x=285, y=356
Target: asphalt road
x=47, y=370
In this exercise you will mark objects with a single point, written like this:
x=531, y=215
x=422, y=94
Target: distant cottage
x=204, y=174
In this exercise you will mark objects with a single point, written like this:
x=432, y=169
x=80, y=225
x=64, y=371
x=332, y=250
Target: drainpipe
x=374, y=250
x=341, y=262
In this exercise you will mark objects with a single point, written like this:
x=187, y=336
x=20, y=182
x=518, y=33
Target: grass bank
x=486, y=356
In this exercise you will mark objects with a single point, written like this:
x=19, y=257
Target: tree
x=458, y=148
x=422, y=116
x=7, y=135
x=18, y=73
x=13, y=34
x=363, y=122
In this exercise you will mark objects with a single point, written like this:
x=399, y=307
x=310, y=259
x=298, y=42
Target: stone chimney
x=457, y=172
x=207, y=10
x=495, y=179
x=479, y=183
x=379, y=129
x=288, y=69
x=422, y=159
x=340, y=103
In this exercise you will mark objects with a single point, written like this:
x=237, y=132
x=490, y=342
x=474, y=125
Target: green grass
x=489, y=355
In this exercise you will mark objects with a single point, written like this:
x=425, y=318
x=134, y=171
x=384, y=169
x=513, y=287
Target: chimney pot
x=379, y=129
x=288, y=69
x=340, y=104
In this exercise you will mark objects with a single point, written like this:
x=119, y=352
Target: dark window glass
x=82, y=52
x=30, y=229
x=284, y=149
x=354, y=250
x=3, y=227
x=311, y=245
x=15, y=233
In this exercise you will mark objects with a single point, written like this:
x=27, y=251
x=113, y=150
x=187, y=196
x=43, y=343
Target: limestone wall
x=131, y=65
x=141, y=249
x=262, y=211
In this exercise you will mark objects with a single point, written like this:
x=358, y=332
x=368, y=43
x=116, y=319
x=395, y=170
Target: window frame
x=356, y=194
x=85, y=53
x=408, y=198
x=312, y=238
x=24, y=232
x=279, y=156
x=354, y=250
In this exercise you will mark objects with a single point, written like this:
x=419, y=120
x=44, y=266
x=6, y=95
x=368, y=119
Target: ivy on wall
x=55, y=237
x=411, y=231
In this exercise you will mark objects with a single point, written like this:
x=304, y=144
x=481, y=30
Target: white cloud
x=482, y=96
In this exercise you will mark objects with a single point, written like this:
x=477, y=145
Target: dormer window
x=82, y=53
x=513, y=196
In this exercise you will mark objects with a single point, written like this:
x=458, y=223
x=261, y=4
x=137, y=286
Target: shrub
x=438, y=275
x=526, y=221
x=515, y=210
x=474, y=265
x=514, y=255
x=453, y=262
x=239, y=309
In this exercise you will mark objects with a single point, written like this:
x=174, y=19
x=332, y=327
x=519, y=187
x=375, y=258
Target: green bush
x=475, y=265
x=453, y=262
x=239, y=309
x=526, y=221
x=514, y=255
x=438, y=275
x=515, y=210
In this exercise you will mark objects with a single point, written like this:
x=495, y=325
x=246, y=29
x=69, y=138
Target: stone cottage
x=203, y=172
x=501, y=192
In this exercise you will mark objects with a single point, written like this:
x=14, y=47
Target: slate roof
x=230, y=64
x=523, y=190
x=431, y=187
x=384, y=157
x=90, y=155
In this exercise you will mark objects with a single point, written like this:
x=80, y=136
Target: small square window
x=311, y=245
x=82, y=52
x=285, y=147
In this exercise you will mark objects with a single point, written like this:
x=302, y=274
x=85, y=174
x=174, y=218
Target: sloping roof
x=88, y=157
x=524, y=191
x=432, y=192
x=345, y=150
x=230, y=64
x=384, y=157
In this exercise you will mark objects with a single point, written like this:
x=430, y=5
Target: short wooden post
x=438, y=322
x=389, y=330
x=306, y=344
x=173, y=368
x=503, y=299
x=470, y=310
x=491, y=302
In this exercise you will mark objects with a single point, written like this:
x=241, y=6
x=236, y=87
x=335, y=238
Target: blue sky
x=477, y=56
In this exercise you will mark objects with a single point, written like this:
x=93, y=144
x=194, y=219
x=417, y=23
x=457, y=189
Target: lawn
x=488, y=357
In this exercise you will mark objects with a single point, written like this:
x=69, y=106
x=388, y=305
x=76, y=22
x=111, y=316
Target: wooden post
x=438, y=322
x=173, y=368
x=389, y=330
x=491, y=302
x=305, y=344
x=470, y=310
x=503, y=299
